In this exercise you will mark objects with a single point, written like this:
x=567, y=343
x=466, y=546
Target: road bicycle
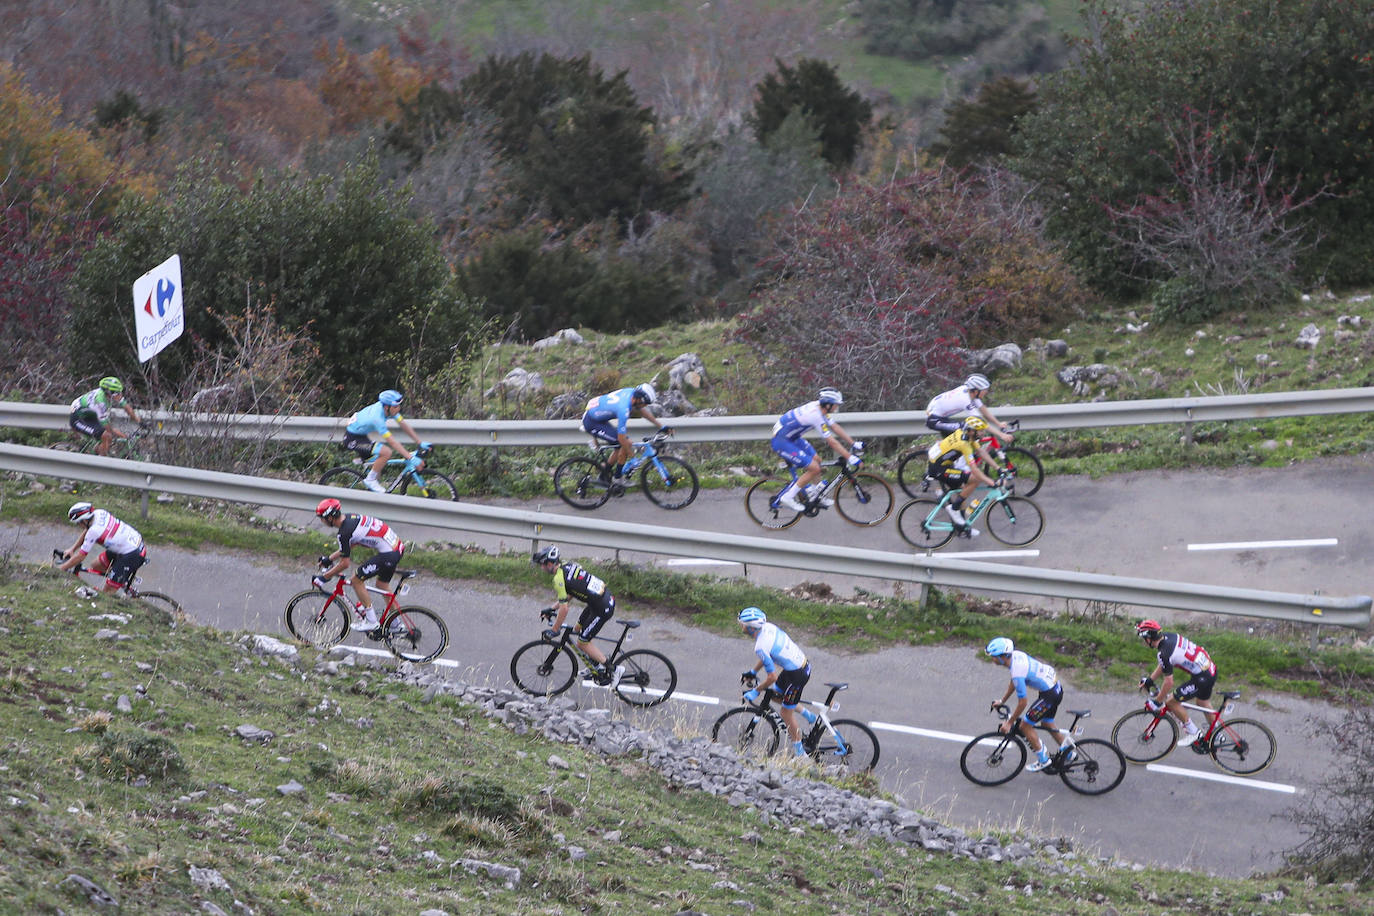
x=323, y=619
x=165, y=605
x=548, y=667
x=668, y=481
x=1025, y=473
x=1014, y=520
x=758, y=728
x=410, y=481
x=129, y=447
x=1088, y=766
x=860, y=497
x=1240, y=746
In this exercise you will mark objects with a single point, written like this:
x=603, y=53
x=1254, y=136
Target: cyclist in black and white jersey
x=945, y=412
x=1174, y=650
x=360, y=531
x=571, y=581
x=122, y=548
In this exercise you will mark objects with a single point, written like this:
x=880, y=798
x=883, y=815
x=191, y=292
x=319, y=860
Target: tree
x=981, y=129
x=1337, y=817
x=838, y=114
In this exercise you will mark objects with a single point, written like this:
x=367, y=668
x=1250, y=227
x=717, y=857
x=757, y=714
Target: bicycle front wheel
x=436, y=486
x=1243, y=747
x=415, y=634
x=911, y=473
x=856, y=749
x=542, y=668
x=342, y=477
x=165, y=606
x=919, y=528
x=1143, y=737
x=317, y=619
x=1027, y=472
x=761, y=504
x=993, y=758
x=864, y=499
x=1015, y=521
x=578, y=483
x=1097, y=767
x=649, y=678
x=670, y=483
x=748, y=732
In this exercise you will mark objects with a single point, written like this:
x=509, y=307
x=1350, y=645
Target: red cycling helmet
x=328, y=508
x=1148, y=629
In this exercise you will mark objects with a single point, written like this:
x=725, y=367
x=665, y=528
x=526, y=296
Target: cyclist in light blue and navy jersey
x=607, y=417
x=1030, y=672
x=367, y=434
x=785, y=666
x=789, y=441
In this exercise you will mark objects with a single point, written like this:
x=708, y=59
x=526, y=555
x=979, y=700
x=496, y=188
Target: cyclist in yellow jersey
x=572, y=581
x=950, y=461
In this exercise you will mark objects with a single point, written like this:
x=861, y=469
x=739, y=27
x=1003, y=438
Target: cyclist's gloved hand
x=427, y=446
x=749, y=677
x=854, y=461
x=548, y=614
x=751, y=696
x=550, y=635
x=857, y=447
x=666, y=430
x=413, y=462
x=1147, y=683
x=319, y=583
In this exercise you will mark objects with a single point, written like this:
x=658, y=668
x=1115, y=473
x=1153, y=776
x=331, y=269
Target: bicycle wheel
x=1143, y=737
x=670, y=483
x=165, y=606
x=1026, y=470
x=912, y=525
x=1015, y=521
x=415, y=634
x=749, y=733
x=860, y=746
x=1243, y=746
x=437, y=486
x=993, y=758
x=649, y=678
x=759, y=503
x=317, y=619
x=542, y=668
x=342, y=477
x=1097, y=767
x=864, y=499
x=911, y=473
x=578, y=483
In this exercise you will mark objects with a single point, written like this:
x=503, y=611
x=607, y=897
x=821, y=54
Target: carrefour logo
x=166, y=289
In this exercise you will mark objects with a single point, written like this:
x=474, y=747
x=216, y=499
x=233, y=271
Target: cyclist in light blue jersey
x=368, y=435
x=789, y=442
x=786, y=670
x=1028, y=671
x=606, y=419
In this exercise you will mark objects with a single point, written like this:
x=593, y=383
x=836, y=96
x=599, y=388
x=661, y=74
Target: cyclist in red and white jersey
x=361, y=531
x=123, y=549
x=1174, y=650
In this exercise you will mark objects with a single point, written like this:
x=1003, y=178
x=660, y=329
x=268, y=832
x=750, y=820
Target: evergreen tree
x=837, y=113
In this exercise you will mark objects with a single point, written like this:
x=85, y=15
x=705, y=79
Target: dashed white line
x=1262, y=545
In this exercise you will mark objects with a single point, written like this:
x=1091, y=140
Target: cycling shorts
x=947, y=474
x=944, y=425
x=594, y=617
x=790, y=683
x=120, y=567
x=1045, y=706
x=605, y=430
x=382, y=565
x=360, y=444
x=1199, y=686
x=796, y=452
x=84, y=420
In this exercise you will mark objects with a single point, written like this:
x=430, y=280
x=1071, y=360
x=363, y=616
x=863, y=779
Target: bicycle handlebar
x=1002, y=709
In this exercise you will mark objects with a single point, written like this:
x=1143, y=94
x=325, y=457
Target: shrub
x=125, y=755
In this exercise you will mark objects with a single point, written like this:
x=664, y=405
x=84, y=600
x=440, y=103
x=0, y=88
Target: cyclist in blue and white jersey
x=91, y=411
x=789, y=442
x=367, y=434
x=946, y=409
x=1027, y=671
x=606, y=419
x=786, y=670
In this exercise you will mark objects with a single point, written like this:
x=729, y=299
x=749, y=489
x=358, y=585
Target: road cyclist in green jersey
x=367, y=435
x=571, y=581
x=786, y=671
x=1027, y=671
x=91, y=412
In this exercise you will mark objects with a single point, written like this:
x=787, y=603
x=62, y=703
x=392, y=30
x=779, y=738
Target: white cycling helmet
x=830, y=396
x=999, y=646
x=752, y=615
x=80, y=512
x=977, y=383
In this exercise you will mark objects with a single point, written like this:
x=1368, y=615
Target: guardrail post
x=143, y=499
x=1188, y=428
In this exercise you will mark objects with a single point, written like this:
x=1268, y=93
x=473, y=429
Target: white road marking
x=1222, y=777
x=921, y=732
x=1259, y=545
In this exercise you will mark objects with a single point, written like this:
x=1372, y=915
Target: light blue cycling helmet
x=999, y=646
x=752, y=615
x=391, y=397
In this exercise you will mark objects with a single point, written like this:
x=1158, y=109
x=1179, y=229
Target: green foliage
x=838, y=114
x=123, y=109
x=982, y=129
x=127, y=754
x=917, y=29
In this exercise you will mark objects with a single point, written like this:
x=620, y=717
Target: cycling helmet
x=999, y=646
x=975, y=424
x=111, y=385
x=328, y=508
x=753, y=615
x=1148, y=629
x=80, y=512
x=548, y=554
x=646, y=393
x=830, y=396
x=391, y=397
x=977, y=383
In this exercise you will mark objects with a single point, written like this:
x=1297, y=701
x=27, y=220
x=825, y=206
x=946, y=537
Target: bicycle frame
x=644, y=452
x=391, y=603
x=828, y=485
x=936, y=520
x=567, y=640
x=1213, y=716
x=811, y=736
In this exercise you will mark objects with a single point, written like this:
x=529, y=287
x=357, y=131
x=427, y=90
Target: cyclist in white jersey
x=946, y=410
x=1027, y=671
x=361, y=531
x=1174, y=650
x=787, y=670
x=789, y=442
x=123, y=549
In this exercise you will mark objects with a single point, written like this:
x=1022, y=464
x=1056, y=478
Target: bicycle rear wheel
x=542, y=668
x=911, y=473
x=437, y=486
x=859, y=752
x=993, y=758
x=760, y=503
x=342, y=477
x=649, y=678
x=1243, y=746
x=1097, y=767
x=1143, y=737
x=748, y=732
x=317, y=619
x=415, y=634
x=1015, y=521
x=165, y=606
x=864, y=499
x=1026, y=470
x=670, y=483
x=578, y=483
x=914, y=528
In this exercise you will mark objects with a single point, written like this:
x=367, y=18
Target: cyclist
x=789, y=441
x=367, y=434
x=1175, y=651
x=786, y=667
x=572, y=581
x=616, y=406
x=950, y=462
x=1026, y=670
x=123, y=548
x=362, y=531
x=89, y=413
x=943, y=410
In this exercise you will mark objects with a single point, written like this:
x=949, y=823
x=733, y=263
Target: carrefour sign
x=158, y=317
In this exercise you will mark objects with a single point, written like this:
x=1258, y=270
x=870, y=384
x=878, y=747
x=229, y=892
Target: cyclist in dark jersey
x=361, y=531
x=1174, y=650
x=571, y=581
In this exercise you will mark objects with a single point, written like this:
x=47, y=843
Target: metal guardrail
x=753, y=427
x=918, y=569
